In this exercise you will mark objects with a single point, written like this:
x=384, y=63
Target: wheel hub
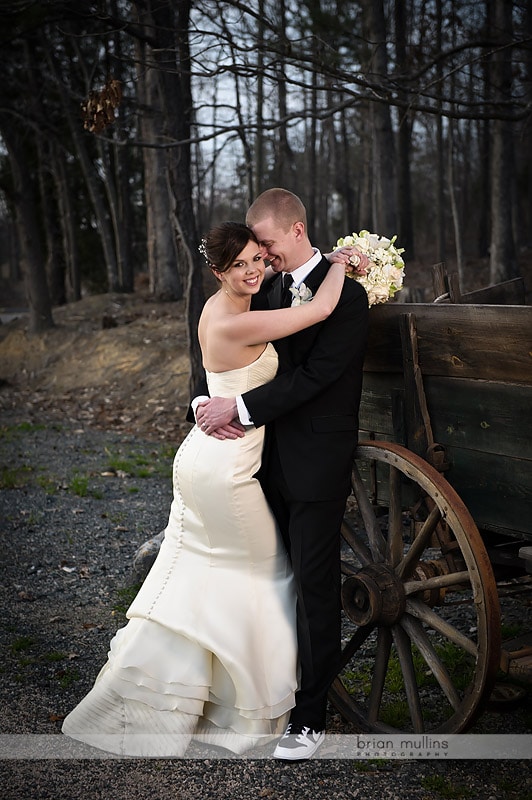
x=374, y=596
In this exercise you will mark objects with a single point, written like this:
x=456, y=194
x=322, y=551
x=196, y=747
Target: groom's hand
x=218, y=417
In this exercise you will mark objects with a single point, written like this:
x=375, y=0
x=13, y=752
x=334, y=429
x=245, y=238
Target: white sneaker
x=298, y=742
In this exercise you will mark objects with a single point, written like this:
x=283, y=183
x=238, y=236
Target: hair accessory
x=203, y=249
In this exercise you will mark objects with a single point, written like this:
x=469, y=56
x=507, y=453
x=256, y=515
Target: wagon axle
x=376, y=595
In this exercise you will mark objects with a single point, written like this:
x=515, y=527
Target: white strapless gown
x=210, y=647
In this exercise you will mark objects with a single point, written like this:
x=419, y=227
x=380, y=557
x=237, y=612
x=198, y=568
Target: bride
x=210, y=647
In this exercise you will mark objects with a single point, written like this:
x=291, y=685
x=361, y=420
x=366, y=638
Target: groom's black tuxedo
x=310, y=410
x=311, y=407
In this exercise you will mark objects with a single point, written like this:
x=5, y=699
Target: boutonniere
x=300, y=295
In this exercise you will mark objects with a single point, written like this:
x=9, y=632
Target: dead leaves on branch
x=98, y=111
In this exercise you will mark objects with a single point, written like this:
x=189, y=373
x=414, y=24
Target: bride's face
x=246, y=273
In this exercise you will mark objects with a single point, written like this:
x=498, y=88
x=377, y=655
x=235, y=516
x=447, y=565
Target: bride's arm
x=256, y=327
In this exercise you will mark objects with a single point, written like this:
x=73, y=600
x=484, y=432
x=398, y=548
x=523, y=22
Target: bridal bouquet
x=384, y=275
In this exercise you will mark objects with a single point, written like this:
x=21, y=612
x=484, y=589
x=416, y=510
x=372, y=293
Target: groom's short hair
x=282, y=206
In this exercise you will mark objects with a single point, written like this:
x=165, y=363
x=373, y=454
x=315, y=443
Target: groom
x=310, y=410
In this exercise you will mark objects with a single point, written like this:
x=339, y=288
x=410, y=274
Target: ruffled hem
x=146, y=704
x=107, y=721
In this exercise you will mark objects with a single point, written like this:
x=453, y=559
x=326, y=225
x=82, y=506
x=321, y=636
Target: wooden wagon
x=442, y=480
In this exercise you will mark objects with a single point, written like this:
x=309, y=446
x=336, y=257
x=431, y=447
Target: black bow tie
x=286, y=295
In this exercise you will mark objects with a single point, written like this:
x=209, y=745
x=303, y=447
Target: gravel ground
x=75, y=503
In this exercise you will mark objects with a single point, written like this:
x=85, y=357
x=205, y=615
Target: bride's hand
x=233, y=430
x=351, y=257
x=218, y=417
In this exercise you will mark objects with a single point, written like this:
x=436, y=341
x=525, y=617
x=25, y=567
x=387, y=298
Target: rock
x=145, y=555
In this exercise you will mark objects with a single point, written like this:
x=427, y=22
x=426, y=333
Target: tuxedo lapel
x=314, y=278
x=274, y=292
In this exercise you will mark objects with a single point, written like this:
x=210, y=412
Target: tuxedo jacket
x=310, y=408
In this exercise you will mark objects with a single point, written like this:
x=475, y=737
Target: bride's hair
x=224, y=243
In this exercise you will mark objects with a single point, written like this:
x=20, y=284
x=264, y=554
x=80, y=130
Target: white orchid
x=301, y=295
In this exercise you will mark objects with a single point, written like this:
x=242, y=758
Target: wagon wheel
x=421, y=628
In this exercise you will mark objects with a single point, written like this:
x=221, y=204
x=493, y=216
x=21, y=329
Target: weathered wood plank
x=506, y=293
x=376, y=404
x=468, y=341
x=496, y=490
x=481, y=416
x=477, y=415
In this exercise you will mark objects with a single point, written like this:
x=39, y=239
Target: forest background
x=128, y=128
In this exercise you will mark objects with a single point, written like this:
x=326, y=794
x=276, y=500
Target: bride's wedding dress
x=210, y=647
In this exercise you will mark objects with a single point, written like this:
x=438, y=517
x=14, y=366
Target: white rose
x=378, y=294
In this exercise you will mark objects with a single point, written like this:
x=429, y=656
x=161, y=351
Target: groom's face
x=281, y=245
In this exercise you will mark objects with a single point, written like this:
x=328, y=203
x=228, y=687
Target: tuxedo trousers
x=311, y=533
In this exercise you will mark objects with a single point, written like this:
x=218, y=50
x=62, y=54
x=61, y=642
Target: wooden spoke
x=377, y=544
x=407, y=667
x=359, y=548
x=437, y=582
x=394, y=541
x=384, y=645
x=418, y=636
x=431, y=618
x=406, y=567
x=354, y=644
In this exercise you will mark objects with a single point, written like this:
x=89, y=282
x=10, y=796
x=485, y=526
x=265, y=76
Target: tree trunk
x=366, y=217
x=259, y=136
x=405, y=230
x=503, y=262
x=383, y=146
x=121, y=159
x=346, y=184
x=284, y=161
x=33, y=263
x=54, y=263
x=91, y=178
x=440, y=159
x=68, y=232
x=454, y=206
x=312, y=155
x=164, y=281
x=172, y=20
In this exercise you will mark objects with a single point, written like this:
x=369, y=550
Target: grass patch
x=372, y=765
x=445, y=787
x=15, y=477
x=11, y=432
x=53, y=656
x=394, y=709
x=512, y=630
x=22, y=644
x=47, y=483
x=79, y=485
x=124, y=598
x=140, y=465
x=26, y=651
x=67, y=677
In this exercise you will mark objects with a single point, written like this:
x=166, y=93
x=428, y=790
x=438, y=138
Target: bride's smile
x=244, y=276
